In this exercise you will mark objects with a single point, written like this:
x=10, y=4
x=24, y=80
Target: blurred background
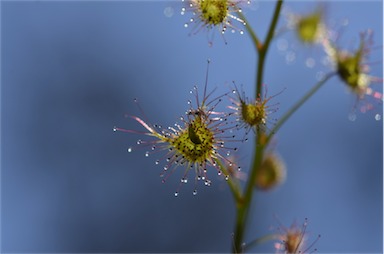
x=69, y=73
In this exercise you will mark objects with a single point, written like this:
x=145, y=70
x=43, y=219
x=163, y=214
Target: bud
x=351, y=67
x=351, y=70
x=207, y=14
x=271, y=173
x=293, y=240
x=252, y=114
x=213, y=12
x=309, y=28
x=196, y=144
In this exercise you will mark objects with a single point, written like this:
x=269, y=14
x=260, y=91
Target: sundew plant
x=228, y=133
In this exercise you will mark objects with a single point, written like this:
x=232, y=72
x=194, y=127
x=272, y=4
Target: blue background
x=69, y=73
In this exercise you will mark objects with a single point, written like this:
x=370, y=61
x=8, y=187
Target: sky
x=70, y=71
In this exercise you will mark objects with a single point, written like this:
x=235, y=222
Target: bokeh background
x=69, y=73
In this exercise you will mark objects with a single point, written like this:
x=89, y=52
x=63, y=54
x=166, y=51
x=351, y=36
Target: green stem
x=264, y=48
x=298, y=104
x=243, y=207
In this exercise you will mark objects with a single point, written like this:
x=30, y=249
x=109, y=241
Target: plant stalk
x=244, y=206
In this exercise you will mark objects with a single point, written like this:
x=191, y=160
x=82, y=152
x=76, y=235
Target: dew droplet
x=377, y=117
x=157, y=162
x=352, y=117
x=147, y=154
x=320, y=75
x=290, y=57
x=226, y=177
x=176, y=194
x=282, y=44
x=139, y=142
x=186, y=25
x=168, y=12
x=165, y=168
x=310, y=62
x=219, y=173
x=153, y=148
x=114, y=128
x=194, y=192
x=129, y=149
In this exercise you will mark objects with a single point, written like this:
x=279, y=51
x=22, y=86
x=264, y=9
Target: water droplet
x=219, y=173
x=139, y=142
x=290, y=57
x=157, y=162
x=228, y=153
x=310, y=62
x=168, y=12
x=352, y=117
x=241, y=32
x=176, y=194
x=129, y=149
x=194, y=192
x=165, y=168
x=186, y=25
x=114, y=128
x=320, y=75
x=147, y=154
x=226, y=177
x=377, y=117
x=282, y=44
x=153, y=148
